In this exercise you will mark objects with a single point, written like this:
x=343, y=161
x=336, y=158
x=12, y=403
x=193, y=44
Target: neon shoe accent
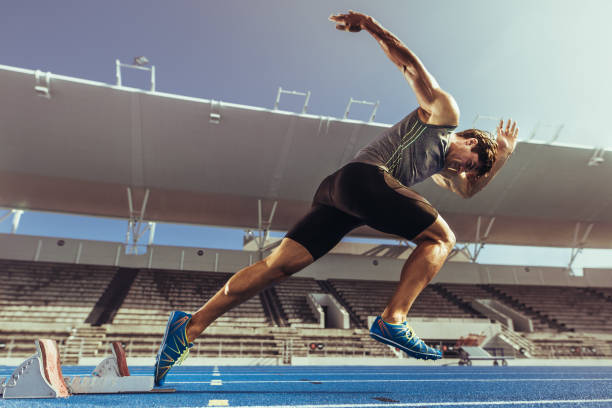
x=402, y=336
x=175, y=346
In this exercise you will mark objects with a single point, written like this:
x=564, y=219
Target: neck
x=452, y=139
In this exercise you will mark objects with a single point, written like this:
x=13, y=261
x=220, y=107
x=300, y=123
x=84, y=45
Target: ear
x=472, y=141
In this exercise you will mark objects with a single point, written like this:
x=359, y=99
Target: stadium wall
x=337, y=266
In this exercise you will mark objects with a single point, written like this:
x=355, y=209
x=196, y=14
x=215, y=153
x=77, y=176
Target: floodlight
x=141, y=61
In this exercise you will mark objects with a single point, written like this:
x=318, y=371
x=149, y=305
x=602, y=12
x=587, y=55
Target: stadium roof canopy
x=209, y=162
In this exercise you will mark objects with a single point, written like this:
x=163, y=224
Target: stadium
x=511, y=334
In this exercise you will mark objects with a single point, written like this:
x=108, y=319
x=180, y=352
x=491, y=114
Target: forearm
x=474, y=186
x=397, y=52
x=421, y=81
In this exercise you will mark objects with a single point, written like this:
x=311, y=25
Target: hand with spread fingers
x=352, y=21
x=506, y=138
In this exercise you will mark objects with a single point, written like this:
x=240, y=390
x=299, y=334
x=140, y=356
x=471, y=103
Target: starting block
x=469, y=353
x=40, y=376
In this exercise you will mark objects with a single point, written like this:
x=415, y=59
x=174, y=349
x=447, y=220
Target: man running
x=373, y=190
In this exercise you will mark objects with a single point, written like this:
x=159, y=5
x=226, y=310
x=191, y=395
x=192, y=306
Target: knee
x=288, y=259
x=449, y=239
x=444, y=239
x=447, y=242
x=444, y=235
x=281, y=268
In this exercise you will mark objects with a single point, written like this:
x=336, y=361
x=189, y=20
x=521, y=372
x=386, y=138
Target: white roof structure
x=80, y=147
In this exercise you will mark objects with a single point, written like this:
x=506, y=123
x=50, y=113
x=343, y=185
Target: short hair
x=486, y=148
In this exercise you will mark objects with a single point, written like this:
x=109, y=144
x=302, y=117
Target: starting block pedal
x=40, y=376
x=111, y=376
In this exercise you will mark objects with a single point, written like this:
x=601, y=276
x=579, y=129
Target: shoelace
x=407, y=329
x=182, y=357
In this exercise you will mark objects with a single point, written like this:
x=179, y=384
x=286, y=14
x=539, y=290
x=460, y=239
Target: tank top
x=410, y=150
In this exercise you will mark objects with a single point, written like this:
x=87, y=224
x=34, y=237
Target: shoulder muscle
x=444, y=109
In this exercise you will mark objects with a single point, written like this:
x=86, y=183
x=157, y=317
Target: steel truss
x=478, y=244
x=137, y=227
x=16, y=218
x=578, y=246
x=263, y=231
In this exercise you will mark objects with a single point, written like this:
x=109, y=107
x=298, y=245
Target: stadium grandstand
x=86, y=293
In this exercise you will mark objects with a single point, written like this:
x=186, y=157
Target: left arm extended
x=437, y=106
x=466, y=185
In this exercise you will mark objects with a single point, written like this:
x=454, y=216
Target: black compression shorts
x=361, y=194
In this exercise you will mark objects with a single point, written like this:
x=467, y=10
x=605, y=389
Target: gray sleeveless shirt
x=411, y=150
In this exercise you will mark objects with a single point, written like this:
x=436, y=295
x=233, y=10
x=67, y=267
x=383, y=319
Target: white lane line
x=399, y=380
x=218, y=403
x=346, y=374
x=215, y=382
x=436, y=404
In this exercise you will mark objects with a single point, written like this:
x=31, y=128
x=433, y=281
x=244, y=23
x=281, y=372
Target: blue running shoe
x=402, y=336
x=174, y=348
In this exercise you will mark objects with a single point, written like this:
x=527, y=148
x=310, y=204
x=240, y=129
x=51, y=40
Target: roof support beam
x=283, y=91
x=598, y=157
x=494, y=119
x=478, y=244
x=119, y=64
x=556, y=131
x=16, y=218
x=578, y=245
x=43, y=89
x=352, y=101
x=136, y=225
x=263, y=228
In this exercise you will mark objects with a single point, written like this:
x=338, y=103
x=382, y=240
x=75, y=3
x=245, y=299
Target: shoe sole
x=415, y=354
x=161, y=347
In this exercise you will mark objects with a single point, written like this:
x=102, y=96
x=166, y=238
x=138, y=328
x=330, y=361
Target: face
x=461, y=159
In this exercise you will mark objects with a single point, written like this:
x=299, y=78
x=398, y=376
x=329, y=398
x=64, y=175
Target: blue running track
x=359, y=387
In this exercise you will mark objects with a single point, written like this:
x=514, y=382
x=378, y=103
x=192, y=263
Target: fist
x=352, y=21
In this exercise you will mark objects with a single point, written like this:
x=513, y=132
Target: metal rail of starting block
x=474, y=353
x=40, y=376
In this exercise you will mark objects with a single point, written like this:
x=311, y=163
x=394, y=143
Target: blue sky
x=541, y=62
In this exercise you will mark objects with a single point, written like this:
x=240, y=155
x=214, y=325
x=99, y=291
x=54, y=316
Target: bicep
x=423, y=84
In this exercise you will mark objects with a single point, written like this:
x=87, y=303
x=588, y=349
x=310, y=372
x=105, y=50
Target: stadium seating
x=155, y=293
x=574, y=308
x=572, y=347
x=468, y=293
x=19, y=342
x=351, y=344
x=55, y=300
x=605, y=292
x=291, y=295
x=368, y=298
x=227, y=345
x=45, y=292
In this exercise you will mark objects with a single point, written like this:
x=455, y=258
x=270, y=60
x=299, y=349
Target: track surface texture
x=359, y=387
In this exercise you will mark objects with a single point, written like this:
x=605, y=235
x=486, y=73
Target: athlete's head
x=473, y=152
